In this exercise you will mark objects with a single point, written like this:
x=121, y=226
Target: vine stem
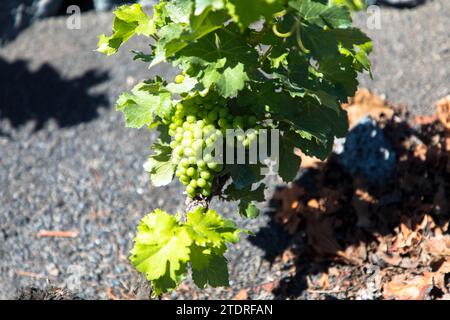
x=202, y=201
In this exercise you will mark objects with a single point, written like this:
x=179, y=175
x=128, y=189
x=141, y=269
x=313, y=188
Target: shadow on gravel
x=43, y=94
x=409, y=4
x=328, y=219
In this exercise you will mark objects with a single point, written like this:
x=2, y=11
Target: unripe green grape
x=179, y=107
x=179, y=79
x=193, y=183
x=206, y=192
x=223, y=112
x=187, y=142
x=179, y=150
x=212, y=115
x=201, y=164
x=173, y=144
x=198, y=132
x=200, y=124
x=171, y=132
x=178, y=173
x=184, y=163
x=182, y=170
x=207, y=158
x=190, y=190
x=178, y=122
x=185, y=180
x=205, y=174
x=212, y=165
x=178, y=137
x=185, y=125
x=180, y=130
x=192, y=160
x=201, y=182
x=190, y=172
x=188, y=152
x=222, y=122
x=191, y=118
x=197, y=146
x=238, y=122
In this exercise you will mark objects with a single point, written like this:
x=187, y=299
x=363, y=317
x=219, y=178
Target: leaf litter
x=374, y=242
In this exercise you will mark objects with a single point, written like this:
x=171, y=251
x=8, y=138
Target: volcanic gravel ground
x=68, y=163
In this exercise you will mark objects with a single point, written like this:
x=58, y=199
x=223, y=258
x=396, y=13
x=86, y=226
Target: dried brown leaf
x=443, y=111
x=367, y=103
x=405, y=287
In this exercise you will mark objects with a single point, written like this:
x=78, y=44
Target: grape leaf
x=208, y=267
x=289, y=162
x=179, y=11
x=245, y=197
x=321, y=14
x=202, y=5
x=135, y=108
x=246, y=12
x=175, y=37
x=161, y=248
x=208, y=228
x=144, y=101
x=129, y=20
x=159, y=166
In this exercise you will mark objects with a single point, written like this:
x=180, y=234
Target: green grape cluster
x=195, y=125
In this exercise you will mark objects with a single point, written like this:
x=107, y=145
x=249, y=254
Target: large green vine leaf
x=164, y=245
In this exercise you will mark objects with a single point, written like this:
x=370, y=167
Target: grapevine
x=246, y=67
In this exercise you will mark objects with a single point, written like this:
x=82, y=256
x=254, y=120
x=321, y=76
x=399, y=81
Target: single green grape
x=190, y=190
x=190, y=172
x=201, y=164
x=223, y=122
x=192, y=160
x=193, y=183
x=185, y=180
x=173, y=144
x=205, y=174
x=212, y=115
x=206, y=192
x=184, y=162
x=223, y=112
x=188, y=152
x=178, y=137
x=212, y=165
x=201, y=182
x=191, y=118
x=179, y=79
x=179, y=150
